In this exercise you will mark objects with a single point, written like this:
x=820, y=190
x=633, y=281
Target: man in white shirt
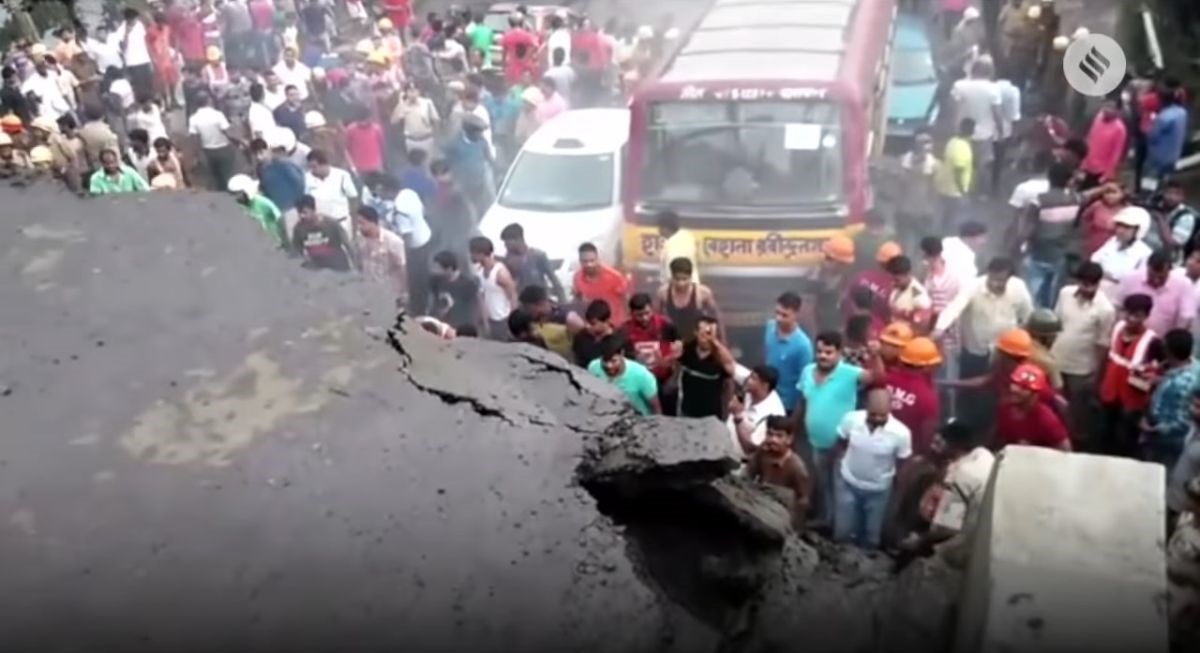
x=872, y=444
x=103, y=49
x=961, y=252
x=135, y=54
x=992, y=304
x=748, y=415
x=1125, y=252
x=260, y=116
x=274, y=94
x=211, y=128
x=43, y=84
x=333, y=189
x=293, y=73
x=405, y=215
x=1087, y=316
x=559, y=39
x=978, y=98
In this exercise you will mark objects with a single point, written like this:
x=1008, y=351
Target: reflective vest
x=1124, y=380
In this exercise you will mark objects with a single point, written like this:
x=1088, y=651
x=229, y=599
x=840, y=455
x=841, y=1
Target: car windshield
x=739, y=154
x=913, y=67
x=556, y=182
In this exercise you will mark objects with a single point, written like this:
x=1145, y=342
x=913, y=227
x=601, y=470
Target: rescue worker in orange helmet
x=832, y=280
x=878, y=280
x=1023, y=418
x=1012, y=348
x=892, y=341
x=914, y=396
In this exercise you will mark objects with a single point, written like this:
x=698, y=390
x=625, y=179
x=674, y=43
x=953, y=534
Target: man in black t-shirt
x=705, y=368
x=453, y=296
x=588, y=344
x=320, y=239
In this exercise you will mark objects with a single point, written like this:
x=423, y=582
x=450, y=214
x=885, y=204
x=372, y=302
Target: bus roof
x=772, y=40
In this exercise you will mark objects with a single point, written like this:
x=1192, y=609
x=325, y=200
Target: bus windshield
x=743, y=154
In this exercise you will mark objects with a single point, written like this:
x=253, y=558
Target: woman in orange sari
x=158, y=38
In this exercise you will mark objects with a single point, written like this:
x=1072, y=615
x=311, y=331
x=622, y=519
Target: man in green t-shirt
x=631, y=377
x=260, y=207
x=481, y=37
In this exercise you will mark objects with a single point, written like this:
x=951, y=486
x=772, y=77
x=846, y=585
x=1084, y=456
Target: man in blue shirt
x=282, y=181
x=828, y=392
x=1164, y=144
x=787, y=347
x=470, y=159
x=416, y=176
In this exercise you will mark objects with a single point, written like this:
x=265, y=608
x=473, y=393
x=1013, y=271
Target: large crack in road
x=178, y=474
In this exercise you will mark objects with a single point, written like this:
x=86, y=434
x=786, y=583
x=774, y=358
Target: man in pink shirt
x=364, y=143
x=1174, y=296
x=553, y=104
x=1106, y=146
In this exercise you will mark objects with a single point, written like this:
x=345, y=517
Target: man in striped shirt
x=942, y=283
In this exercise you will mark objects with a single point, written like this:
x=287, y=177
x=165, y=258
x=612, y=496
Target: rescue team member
x=951, y=506
x=775, y=463
x=914, y=397
x=1044, y=326
x=1124, y=385
x=878, y=280
x=1023, y=418
x=833, y=280
x=892, y=341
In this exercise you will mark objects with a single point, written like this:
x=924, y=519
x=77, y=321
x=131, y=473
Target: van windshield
x=743, y=154
x=558, y=183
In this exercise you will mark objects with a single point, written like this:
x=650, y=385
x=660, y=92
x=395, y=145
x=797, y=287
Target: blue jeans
x=824, y=471
x=859, y=517
x=1042, y=278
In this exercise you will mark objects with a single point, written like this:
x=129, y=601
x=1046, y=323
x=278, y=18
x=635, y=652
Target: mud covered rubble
x=207, y=448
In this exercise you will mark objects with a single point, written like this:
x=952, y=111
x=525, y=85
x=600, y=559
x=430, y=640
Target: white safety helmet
x=671, y=34
x=281, y=138
x=243, y=184
x=314, y=119
x=1034, y=13
x=1080, y=33
x=645, y=32
x=1060, y=43
x=970, y=13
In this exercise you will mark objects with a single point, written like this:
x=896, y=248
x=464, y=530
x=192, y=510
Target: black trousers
x=221, y=163
x=418, y=275
x=141, y=78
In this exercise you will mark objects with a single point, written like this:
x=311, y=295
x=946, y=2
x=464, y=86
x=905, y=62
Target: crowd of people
x=362, y=139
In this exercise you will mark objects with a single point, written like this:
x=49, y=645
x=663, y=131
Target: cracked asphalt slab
x=207, y=448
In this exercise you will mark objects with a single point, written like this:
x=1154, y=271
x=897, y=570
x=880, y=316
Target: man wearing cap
x=1044, y=326
x=216, y=139
x=832, y=280
x=914, y=397
x=293, y=73
x=262, y=209
x=1023, y=418
x=876, y=279
x=282, y=182
x=1125, y=252
x=892, y=341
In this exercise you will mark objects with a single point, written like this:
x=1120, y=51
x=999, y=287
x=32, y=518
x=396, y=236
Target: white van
x=564, y=188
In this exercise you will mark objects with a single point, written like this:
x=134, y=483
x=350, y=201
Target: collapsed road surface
x=206, y=448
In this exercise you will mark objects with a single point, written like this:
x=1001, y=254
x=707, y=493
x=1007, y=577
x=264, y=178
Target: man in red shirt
x=1023, y=418
x=520, y=49
x=1106, y=146
x=914, y=398
x=595, y=280
x=876, y=279
x=656, y=344
x=364, y=143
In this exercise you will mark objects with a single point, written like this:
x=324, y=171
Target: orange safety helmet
x=921, y=352
x=11, y=124
x=897, y=334
x=839, y=248
x=1029, y=376
x=887, y=252
x=1015, y=342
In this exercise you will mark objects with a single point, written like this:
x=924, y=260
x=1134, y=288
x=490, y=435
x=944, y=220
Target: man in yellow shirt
x=953, y=176
x=677, y=243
